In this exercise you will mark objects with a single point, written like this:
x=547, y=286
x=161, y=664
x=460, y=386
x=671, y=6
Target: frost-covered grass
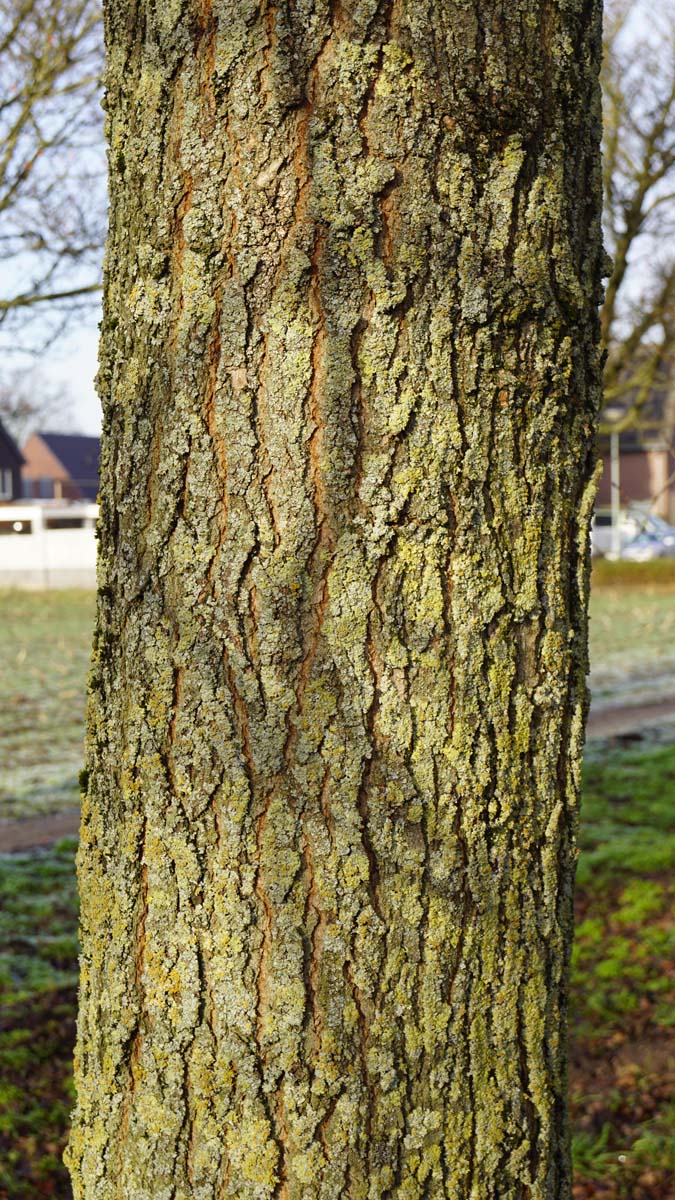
x=45, y=643
x=45, y=640
x=632, y=627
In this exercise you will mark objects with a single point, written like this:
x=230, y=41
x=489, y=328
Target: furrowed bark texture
x=350, y=372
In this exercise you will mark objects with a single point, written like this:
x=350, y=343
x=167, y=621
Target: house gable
x=79, y=457
x=42, y=470
x=61, y=465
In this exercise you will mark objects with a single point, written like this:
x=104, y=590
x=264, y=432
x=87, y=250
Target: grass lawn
x=623, y=977
x=623, y=1014
x=45, y=643
x=623, y=1020
x=632, y=627
x=38, y=978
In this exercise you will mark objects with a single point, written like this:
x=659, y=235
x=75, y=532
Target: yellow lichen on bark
x=349, y=369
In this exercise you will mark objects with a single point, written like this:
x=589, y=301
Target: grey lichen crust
x=349, y=369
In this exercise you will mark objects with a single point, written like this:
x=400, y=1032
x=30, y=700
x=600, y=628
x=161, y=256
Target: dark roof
x=79, y=456
x=8, y=442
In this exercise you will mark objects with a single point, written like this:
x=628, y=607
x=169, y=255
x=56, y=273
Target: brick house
x=647, y=463
x=646, y=459
x=61, y=466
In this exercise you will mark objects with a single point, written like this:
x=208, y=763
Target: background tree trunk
x=349, y=372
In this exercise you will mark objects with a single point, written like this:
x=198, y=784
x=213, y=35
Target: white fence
x=47, y=545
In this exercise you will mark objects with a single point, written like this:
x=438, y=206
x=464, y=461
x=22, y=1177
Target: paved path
x=616, y=719
x=37, y=831
x=610, y=721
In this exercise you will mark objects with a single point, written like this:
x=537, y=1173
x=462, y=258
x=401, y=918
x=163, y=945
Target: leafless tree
x=52, y=177
x=29, y=401
x=638, y=317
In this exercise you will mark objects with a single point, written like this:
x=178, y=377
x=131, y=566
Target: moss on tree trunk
x=349, y=368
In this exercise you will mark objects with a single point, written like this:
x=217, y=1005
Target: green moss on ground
x=627, y=815
x=38, y=974
x=623, y=980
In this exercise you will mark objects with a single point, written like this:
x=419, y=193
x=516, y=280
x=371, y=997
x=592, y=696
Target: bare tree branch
x=638, y=315
x=51, y=158
x=29, y=402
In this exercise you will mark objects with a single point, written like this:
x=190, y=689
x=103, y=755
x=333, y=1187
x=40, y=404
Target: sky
x=74, y=362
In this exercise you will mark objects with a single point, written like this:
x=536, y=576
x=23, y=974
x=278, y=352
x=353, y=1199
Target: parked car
x=635, y=526
x=656, y=526
x=644, y=548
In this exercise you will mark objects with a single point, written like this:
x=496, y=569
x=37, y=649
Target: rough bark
x=349, y=369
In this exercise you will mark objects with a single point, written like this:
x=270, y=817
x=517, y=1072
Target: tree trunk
x=349, y=369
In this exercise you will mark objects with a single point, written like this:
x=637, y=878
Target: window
x=6, y=489
x=12, y=527
x=64, y=522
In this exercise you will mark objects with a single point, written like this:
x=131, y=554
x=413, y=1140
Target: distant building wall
x=644, y=476
x=660, y=468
